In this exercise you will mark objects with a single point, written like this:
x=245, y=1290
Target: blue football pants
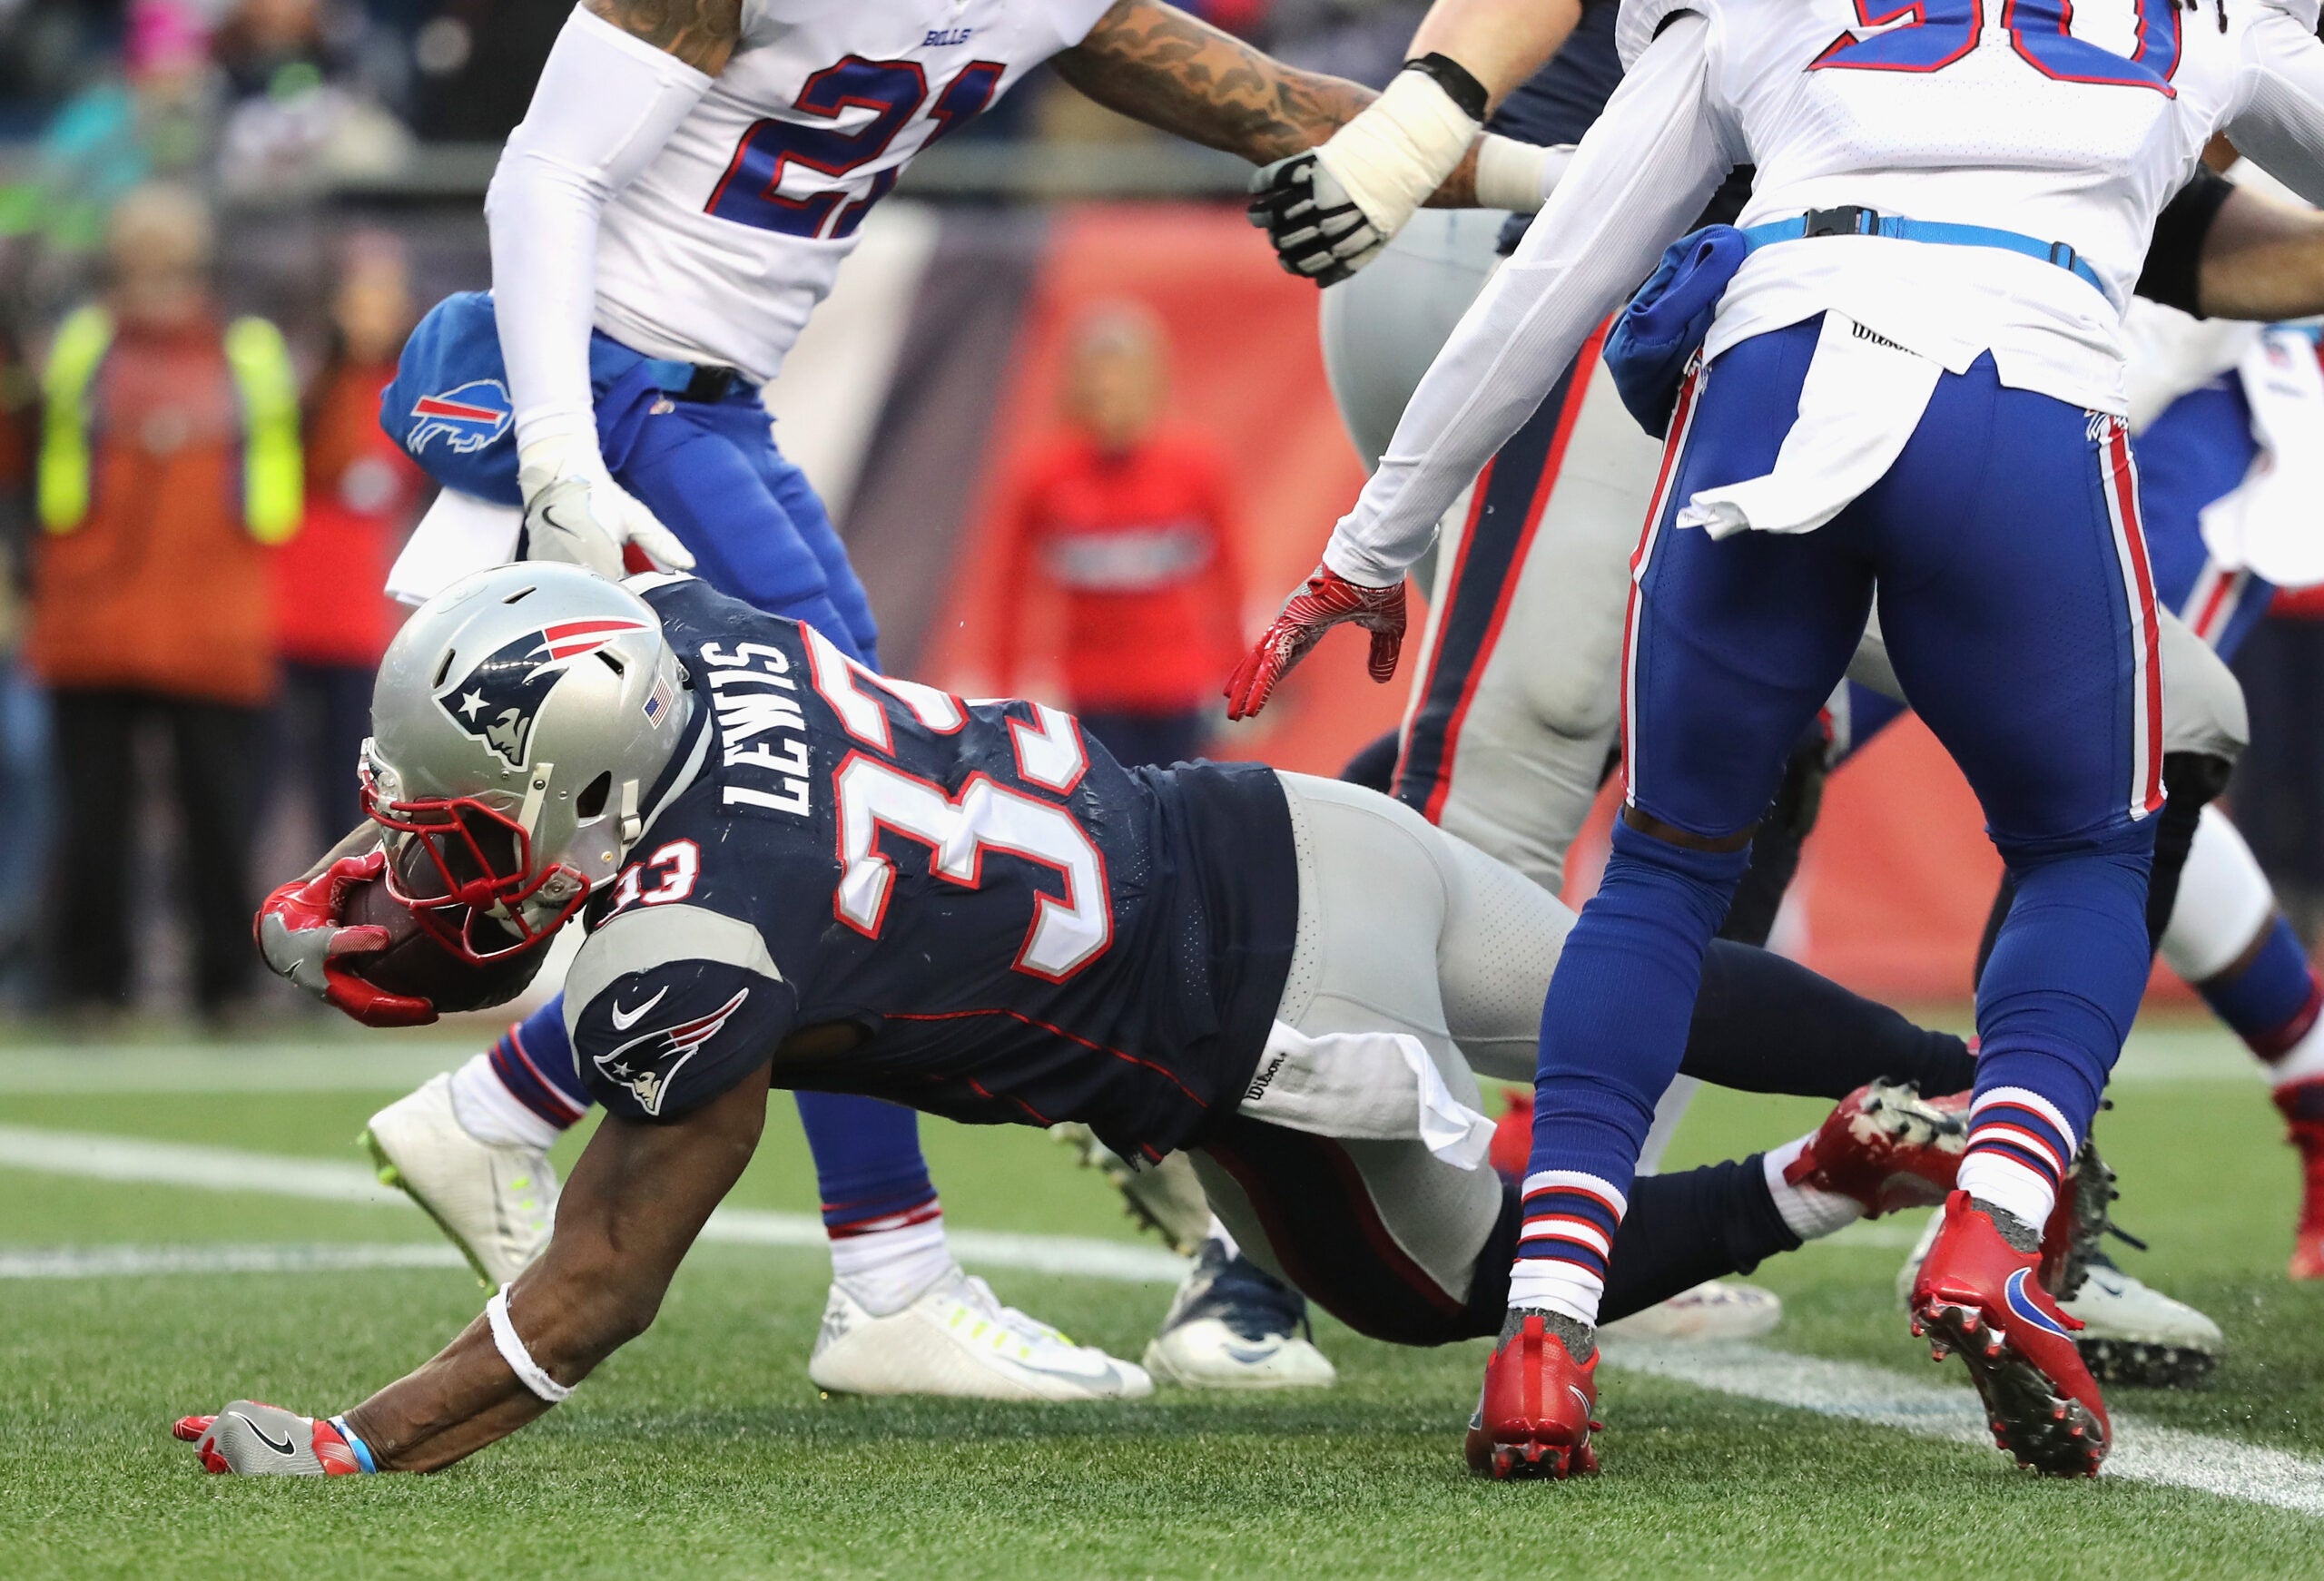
x=2004, y=552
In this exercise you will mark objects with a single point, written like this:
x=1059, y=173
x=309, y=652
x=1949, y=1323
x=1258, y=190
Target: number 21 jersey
x=1002, y=923
x=724, y=245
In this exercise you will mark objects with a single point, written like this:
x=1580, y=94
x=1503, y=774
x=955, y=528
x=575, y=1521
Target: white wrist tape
x=512, y=1351
x=1390, y=157
x=1517, y=176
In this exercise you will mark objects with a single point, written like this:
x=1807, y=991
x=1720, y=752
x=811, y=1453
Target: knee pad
x=2224, y=900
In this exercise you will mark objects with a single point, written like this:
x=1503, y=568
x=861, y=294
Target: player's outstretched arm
x=637, y=1199
x=620, y=77
x=1329, y=211
x=1411, y=145
x=1642, y=173
x=2262, y=259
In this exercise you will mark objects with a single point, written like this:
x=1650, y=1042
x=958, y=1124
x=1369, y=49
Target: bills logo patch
x=499, y=697
x=647, y=1065
x=467, y=417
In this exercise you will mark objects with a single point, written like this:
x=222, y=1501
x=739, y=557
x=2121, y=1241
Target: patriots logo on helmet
x=647, y=1065
x=499, y=697
x=467, y=417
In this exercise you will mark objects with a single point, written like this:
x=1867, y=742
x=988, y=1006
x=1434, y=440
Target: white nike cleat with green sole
x=957, y=1340
x=496, y=1202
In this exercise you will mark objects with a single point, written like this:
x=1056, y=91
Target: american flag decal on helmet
x=657, y=702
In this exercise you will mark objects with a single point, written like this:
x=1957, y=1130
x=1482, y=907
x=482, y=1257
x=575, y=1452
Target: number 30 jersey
x=2068, y=124
x=724, y=245
x=967, y=909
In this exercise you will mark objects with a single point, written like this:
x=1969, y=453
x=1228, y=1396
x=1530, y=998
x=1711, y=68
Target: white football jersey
x=720, y=249
x=2068, y=124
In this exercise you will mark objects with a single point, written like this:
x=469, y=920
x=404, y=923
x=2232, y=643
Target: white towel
x=460, y=533
x=1862, y=398
x=2271, y=524
x=1366, y=1086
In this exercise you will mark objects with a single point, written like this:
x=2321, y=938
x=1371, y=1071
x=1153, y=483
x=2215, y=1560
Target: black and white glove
x=1330, y=210
x=574, y=512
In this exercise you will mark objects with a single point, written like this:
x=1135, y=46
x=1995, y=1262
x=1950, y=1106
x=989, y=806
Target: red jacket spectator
x=1132, y=523
x=1141, y=543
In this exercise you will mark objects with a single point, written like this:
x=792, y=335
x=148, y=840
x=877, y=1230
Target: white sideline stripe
x=138, y=1262
x=229, y=1169
x=2142, y=1452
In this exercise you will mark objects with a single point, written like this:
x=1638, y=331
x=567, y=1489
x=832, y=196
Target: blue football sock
x=2273, y=1002
x=1613, y=1029
x=533, y=1060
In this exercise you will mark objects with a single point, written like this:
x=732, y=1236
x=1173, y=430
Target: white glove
x=575, y=511
x=248, y=1438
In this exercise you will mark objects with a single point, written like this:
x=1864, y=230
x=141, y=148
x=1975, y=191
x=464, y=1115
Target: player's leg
x=215, y=753
x=1733, y=646
x=96, y=774
x=2019, y=614
x=744, y=419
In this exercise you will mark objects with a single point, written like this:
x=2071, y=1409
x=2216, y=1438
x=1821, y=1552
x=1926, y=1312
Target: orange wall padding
x=1246, y=368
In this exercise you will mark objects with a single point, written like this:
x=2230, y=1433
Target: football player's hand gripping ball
x=1323, y=601
x=304, y=940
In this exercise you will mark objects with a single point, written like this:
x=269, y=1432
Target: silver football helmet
x=518, y=720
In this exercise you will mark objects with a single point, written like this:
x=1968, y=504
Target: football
x=415, y=963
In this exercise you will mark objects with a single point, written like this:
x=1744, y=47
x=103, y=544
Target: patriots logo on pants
x=467, y=417
x=646, y=1065
x=499, y=699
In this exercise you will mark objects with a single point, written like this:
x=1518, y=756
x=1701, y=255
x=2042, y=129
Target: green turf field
x=703, y=1450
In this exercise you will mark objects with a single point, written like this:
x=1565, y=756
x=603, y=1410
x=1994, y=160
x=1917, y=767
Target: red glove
x=1323, y=602
x=299, y=935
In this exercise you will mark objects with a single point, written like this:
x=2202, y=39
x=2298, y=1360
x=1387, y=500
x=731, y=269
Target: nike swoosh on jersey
x=624, y=1020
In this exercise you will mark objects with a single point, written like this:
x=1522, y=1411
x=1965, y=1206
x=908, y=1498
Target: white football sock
x=1548, y=1284
x=1219, y=1233
x=1808, y=1213
x=885, y=1270
x=2006, y=1184
x=487, y=1111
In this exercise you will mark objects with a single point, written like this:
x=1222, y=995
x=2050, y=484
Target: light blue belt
x=1852, y=220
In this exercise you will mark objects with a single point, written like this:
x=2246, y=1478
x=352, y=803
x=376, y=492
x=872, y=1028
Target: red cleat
x=1887, y=1147
x=1978, y=1295
x=2302, y=1104
x=1533, y=1418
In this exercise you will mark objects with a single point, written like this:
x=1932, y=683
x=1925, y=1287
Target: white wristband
x=512, y=1351
x=1399, y=150
x=1517, y=176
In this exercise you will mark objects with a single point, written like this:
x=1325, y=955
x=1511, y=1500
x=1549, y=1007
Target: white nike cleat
x=495, y=1202
x=1231, y=1325
x=957, y=1340
x=1717, y=1309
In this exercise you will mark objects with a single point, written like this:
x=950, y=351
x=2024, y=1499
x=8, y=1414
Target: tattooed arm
x=1154, y=63
x=701, y=33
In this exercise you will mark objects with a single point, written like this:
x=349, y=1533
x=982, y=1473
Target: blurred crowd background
x=226, y=215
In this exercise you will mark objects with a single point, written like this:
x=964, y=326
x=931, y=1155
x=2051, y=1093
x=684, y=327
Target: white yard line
x=2144, y=1452
x=231, y=1169
x=144, y=1262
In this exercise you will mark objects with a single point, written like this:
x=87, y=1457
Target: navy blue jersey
x=1564, y=99
x=985, y=916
